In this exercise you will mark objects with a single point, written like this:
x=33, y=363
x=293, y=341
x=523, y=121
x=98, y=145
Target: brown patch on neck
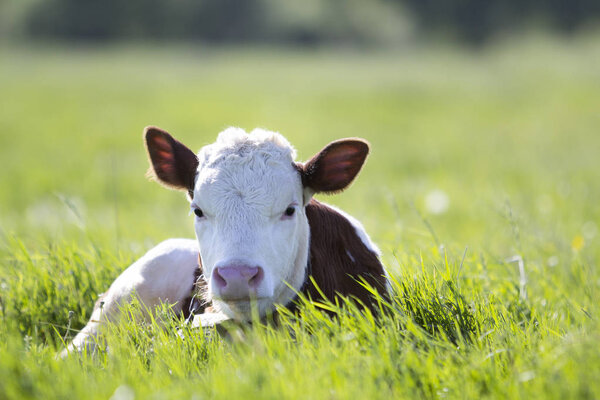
x=197, y=289
x=332, y=237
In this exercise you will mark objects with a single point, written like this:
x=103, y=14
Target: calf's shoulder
x=342, y=254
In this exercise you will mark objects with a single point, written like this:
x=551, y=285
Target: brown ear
x=172, y=163
x=335, y=167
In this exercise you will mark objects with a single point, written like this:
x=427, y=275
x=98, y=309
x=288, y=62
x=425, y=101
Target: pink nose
x=237, y=282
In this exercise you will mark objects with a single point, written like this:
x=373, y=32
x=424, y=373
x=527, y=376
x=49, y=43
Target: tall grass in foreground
x=439, y=335
x=482, y=191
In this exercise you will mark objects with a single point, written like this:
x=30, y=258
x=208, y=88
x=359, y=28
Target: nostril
x=234, y=281
x=219, y=279
x=255, y=280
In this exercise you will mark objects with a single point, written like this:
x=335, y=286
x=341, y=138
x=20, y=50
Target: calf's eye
x=289, y=211
x=198, y=212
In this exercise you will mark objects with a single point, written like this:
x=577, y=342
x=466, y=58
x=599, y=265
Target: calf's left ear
x=171, y=162
x=334, y=168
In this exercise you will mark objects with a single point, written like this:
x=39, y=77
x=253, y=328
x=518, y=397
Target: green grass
x=509, y=134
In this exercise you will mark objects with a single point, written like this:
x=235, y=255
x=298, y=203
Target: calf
x=260, y=234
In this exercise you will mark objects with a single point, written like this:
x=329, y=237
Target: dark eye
x=289, y=211
x=198, y=212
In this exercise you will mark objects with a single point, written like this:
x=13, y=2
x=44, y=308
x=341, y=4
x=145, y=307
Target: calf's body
x=260, y=235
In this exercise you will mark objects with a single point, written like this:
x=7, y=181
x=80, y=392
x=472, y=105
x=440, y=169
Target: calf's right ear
x=171, y=162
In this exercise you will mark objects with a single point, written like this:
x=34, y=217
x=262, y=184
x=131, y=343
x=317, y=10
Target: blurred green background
x=306, y=23
x=479, y=113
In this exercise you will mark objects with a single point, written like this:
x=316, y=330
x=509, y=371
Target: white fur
x=163, y=274
x=245, y=183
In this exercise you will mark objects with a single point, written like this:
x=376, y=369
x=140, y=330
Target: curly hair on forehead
x=236, y=142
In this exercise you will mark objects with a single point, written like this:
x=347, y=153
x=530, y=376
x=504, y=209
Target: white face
x=250, y=221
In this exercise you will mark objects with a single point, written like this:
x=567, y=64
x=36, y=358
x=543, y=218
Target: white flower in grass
x=437, y=202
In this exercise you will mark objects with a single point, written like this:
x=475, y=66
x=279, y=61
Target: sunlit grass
x=481, y=190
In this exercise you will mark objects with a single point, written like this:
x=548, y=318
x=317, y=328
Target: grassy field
x=482, y=189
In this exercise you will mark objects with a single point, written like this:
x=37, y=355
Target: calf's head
x=248, y=197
